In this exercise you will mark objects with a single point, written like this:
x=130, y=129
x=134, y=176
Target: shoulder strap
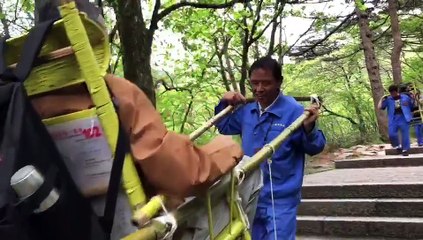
x=32, y=48
x=2, y=53
x=13, y=121
x=122, y=147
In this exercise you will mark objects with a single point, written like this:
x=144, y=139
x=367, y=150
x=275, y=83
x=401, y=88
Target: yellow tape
x=96, y=85
x=70, y=117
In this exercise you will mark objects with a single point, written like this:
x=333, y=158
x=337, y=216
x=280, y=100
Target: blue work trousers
x=419, y=133
x=285, y=221
x=399, y=124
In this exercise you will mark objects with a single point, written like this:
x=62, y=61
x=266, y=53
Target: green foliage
x=350, y=117
x=360, y=5
x=340, y=77
x=28, y=6
x=188, y=91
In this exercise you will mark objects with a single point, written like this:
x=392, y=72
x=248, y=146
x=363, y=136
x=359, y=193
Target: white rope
x=168, y=220
x=163, y=206
x=241, y=210
x=315, y=99
x=239, y=174
x=271, y=148
x=269, y=163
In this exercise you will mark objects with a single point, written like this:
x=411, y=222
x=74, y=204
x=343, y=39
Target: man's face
x=265, y=86
x=394, y=94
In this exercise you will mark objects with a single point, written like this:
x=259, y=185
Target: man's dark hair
x=393, y=88
x=268, y=63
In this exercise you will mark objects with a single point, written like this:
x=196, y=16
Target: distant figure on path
x=399, y=107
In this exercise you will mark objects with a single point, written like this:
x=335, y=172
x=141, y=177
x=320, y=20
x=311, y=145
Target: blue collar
x=275, y=109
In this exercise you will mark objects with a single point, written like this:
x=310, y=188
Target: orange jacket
x=170, y=162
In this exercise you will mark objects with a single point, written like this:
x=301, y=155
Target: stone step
x=382, y=161
x=365, y=190
x=389, y=182
x=362, y=207
x=405, y=228
x=413, y=150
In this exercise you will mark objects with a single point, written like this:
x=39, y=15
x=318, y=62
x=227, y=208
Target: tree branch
x=229, y=69
x=356, y=50
x=306, y=2
x=187, y=111
x=339, y=115
x=222, y=67
x=172, y=87
x=116, y=62
x=298, y=39
x=275, y=17
x=254, y=26
x=112, y=33
x=155, y=18
x=333, y=31
x=182, y=4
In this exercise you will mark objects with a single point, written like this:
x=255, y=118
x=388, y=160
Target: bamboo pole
x=268, y=149
x=152, y=207
x=145, y=213
x=219, y=188
x=194, y=135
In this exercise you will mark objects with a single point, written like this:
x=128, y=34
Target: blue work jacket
x=406, y=106
x=288, y=161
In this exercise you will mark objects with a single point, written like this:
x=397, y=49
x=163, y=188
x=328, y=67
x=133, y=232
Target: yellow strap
x=97, y=88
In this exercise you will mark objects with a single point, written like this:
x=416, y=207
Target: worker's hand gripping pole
x=152, y=207
x=269, y=149
x=157, y=230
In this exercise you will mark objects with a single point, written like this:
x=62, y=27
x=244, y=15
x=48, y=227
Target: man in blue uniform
x=399, y=107
x=259, y=123
x=418, y=128
x=418, y=99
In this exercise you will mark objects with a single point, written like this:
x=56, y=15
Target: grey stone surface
x=340, y=177
x=363, y=203
x=382, y=161
x=362, y=207
x=392, y=182
x=412, y=190
x=413, y=150
x=406, y=228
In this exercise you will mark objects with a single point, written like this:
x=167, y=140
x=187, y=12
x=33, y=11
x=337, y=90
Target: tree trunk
x=273, y=33
x=361, y=123
x=136, y=42
x=244, y=55
x=396, y=35
x=219, y=53
x=229, y=68
x=372, y=66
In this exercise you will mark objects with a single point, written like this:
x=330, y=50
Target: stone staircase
x=367, y=198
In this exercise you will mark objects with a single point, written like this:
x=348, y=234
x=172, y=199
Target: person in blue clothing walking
x=418, y=100
x=399, y=107
x=260, y=122
x=418, y=128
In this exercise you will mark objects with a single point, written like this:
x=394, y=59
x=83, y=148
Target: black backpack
x=24, y=140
